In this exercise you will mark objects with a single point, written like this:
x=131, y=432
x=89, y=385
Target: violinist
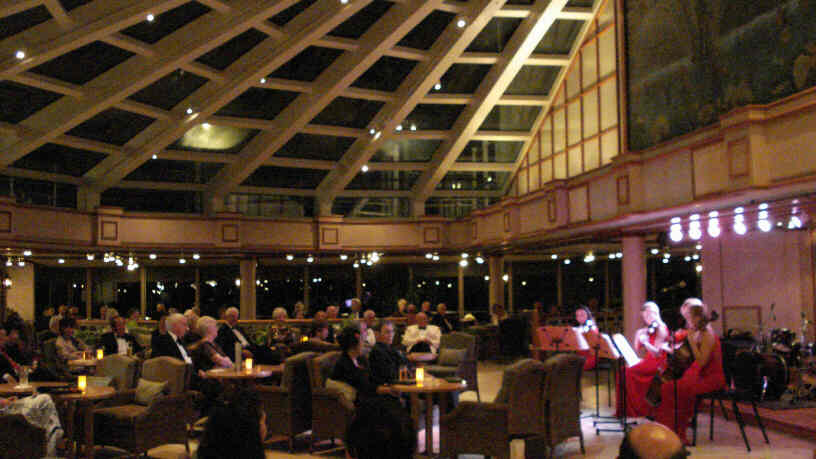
x=649, y=340
x=585, y=323
x=704, y=375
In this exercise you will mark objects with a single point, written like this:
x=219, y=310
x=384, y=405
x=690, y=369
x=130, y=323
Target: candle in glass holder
x=305, y=339
x=420, y=376
x=99, y=354
x=248, y=364
x=82, y=382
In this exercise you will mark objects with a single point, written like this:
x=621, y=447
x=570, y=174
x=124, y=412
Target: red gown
x=638, y=379
x=695, y=381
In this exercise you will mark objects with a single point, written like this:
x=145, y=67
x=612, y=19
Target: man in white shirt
x=370, y=318
x=170, y=344
x=422, y=337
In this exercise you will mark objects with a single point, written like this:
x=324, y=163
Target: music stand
x=560, y=339
x=602, y=346
x=625, y=357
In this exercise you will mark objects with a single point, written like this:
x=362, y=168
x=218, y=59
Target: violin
x=653, y=327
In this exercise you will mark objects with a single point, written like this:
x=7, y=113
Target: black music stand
x=602, y=346
x=623, y=357
x=557, y=339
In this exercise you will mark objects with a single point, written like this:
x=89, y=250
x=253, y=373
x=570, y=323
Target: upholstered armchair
x=331, y=411
x=289, y=406
x=562, y=389
x=120, y=368
x=53, y=367
x=137, y=423
x=457, y=357
x=487, y=428
x=20, y=438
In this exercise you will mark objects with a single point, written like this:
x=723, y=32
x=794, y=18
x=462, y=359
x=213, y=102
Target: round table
x=421, y=357
x=257, y=372
x=83, y=402
x=428, y=388
x=8, y=390
x=83, y=363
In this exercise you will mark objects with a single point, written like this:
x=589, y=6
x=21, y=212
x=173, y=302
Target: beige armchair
x=288, y=406
x=487, y=428
x=120, y=368
x=331, y=412
x=466, y=367
x=125, y=423
x=562, y=389
x=20, y=438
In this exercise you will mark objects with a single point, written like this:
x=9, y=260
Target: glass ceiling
x=201, y=93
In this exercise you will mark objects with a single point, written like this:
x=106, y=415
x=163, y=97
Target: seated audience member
x=69, y=347
x=651, y=441
x=422, y=337
x=40, y=411
x=53, y=329
x=299, y=311
x=103, y=311
x=41, y=323
x=384, y=361
x=410, y=315
x=350, y=367
x=320, y=316
x=497, y=314
x=133, y=318
x=117, y=341
x=206, y=355
x=442, y=320
x=8, y=366
x=332, y=312
x=319, y=333
x=425, y=307
x=170, y=343
x=355, y=309
x=192, y=335
x=378, y=431
x=15, y=347
x=279, y=334
x=400, y=311
x=73, y=312
x=160, y=330
x=369, y=317
x=231, y=333
x=236, y=430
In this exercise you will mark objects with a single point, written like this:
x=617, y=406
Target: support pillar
x=461, y=287
x=248, y=294
x=87, y=199
x=417, y=208
x=88, y=293
x=496, y=286
x=143, y=290
x=307, y=287
x=197, y=303
x=634, y=283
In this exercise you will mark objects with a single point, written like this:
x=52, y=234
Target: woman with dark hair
x=161, y=329
x=235, y=430
x=69, y=347
x=586, y=324
x=350, y=368
x=704, y=375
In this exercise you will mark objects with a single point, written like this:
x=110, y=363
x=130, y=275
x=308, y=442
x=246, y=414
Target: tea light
x=82, y=382
x=305, y=339
x=248, y=364
x=99, y=354
x=420, y=376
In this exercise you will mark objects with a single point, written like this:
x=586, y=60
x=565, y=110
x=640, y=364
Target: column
x=307, y=287
x=417, y=208
x=634, y=282
x=143, y=290
x=496, y=286
x=88, y=293
x=197, y=303
x=358, y=282
x=461, y=286
x=87, y=199
x=509, y=283
x=248, y=298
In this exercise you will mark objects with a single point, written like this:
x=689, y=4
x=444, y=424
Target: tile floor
x=728, y=442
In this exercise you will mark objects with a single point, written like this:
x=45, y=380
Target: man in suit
x=117, y=341
x=355, y=309
x=422, y=337
x=384, y=361
x=231, y=333
x=170, y=343
x=445, y=323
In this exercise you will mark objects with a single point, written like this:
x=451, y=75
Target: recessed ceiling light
x=399, y=128
x=90, y=257
x=290, y=257
x=344, y=1
x=196, y=256
x=182, y=260
x=364, y=168
x=26, y=253
x=152, y=256
x=150, y=17
x=263, y=80
x=438, y=86
x=189, y=110
x=413, y=127
x=155, y=156
x=61, y=261
x=461, y=23
x=20, y=54
x=206, y=125
x=343, y=256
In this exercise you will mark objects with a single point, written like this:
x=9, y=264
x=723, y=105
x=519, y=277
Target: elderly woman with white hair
x=279, y=335
x=206, y=355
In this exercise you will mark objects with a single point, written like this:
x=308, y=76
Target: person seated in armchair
x=231, y=333
x=445, y=323
x=40, y=411
x=422, y=337
x=69, y=347
x=118, y=341
x=384, y=361
x=170, y=344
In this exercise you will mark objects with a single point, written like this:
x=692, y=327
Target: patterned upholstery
x=289, y=406
x=121, y=368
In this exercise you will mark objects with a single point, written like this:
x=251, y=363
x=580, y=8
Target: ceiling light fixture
x=461, y=23
x=364, y=168
x=61, y=261
x=413, y=127
x=90, y=257
x=290, y=257
x=189, y=111
x=310, y=259
x=399, y=128
x=463, y=263
x=155, y=156
x=343, y=256
x=263, y=80
x=152, y=256
x=676, y=230
x=150, y=17
x=739, y=221
x=20, y=54
x=20, y=262
x=479, y=259
x=567, y=261
x=26, y=253
x=9, y=262
x=196, y=256
x=438, y=86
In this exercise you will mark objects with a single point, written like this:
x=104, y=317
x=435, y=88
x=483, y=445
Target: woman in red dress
x=704, y=375
x=650, y=340
x=586, y=324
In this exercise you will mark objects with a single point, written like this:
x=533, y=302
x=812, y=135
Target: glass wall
x=277, y=285
x=218, y=288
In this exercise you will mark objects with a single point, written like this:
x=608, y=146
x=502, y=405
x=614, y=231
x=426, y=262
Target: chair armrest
x=174, y=406
x=124, y=397
x=492, y=414
x=323, y=395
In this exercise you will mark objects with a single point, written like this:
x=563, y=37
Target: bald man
x=422, y=337
x=652, y=441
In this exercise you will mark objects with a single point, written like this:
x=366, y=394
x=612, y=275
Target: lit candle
x=305, y=339
x=248, y=364
x=82, y=382
x=99, y=354
x=420, y=376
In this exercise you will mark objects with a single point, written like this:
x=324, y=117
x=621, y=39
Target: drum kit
x=780, y=368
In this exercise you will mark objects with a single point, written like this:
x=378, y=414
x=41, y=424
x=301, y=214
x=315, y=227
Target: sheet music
x=629, y=354
x=579, y=338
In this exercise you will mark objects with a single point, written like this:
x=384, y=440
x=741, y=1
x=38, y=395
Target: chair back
x=176, y=372
x=562, y=387
x=52, y=364
x=521, y=390
x=20, y=438
x=459, y=340
x=320, y=368
x=121, y=368
x=296, y=371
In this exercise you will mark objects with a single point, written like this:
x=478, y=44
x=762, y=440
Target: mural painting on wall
x=691, y=61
